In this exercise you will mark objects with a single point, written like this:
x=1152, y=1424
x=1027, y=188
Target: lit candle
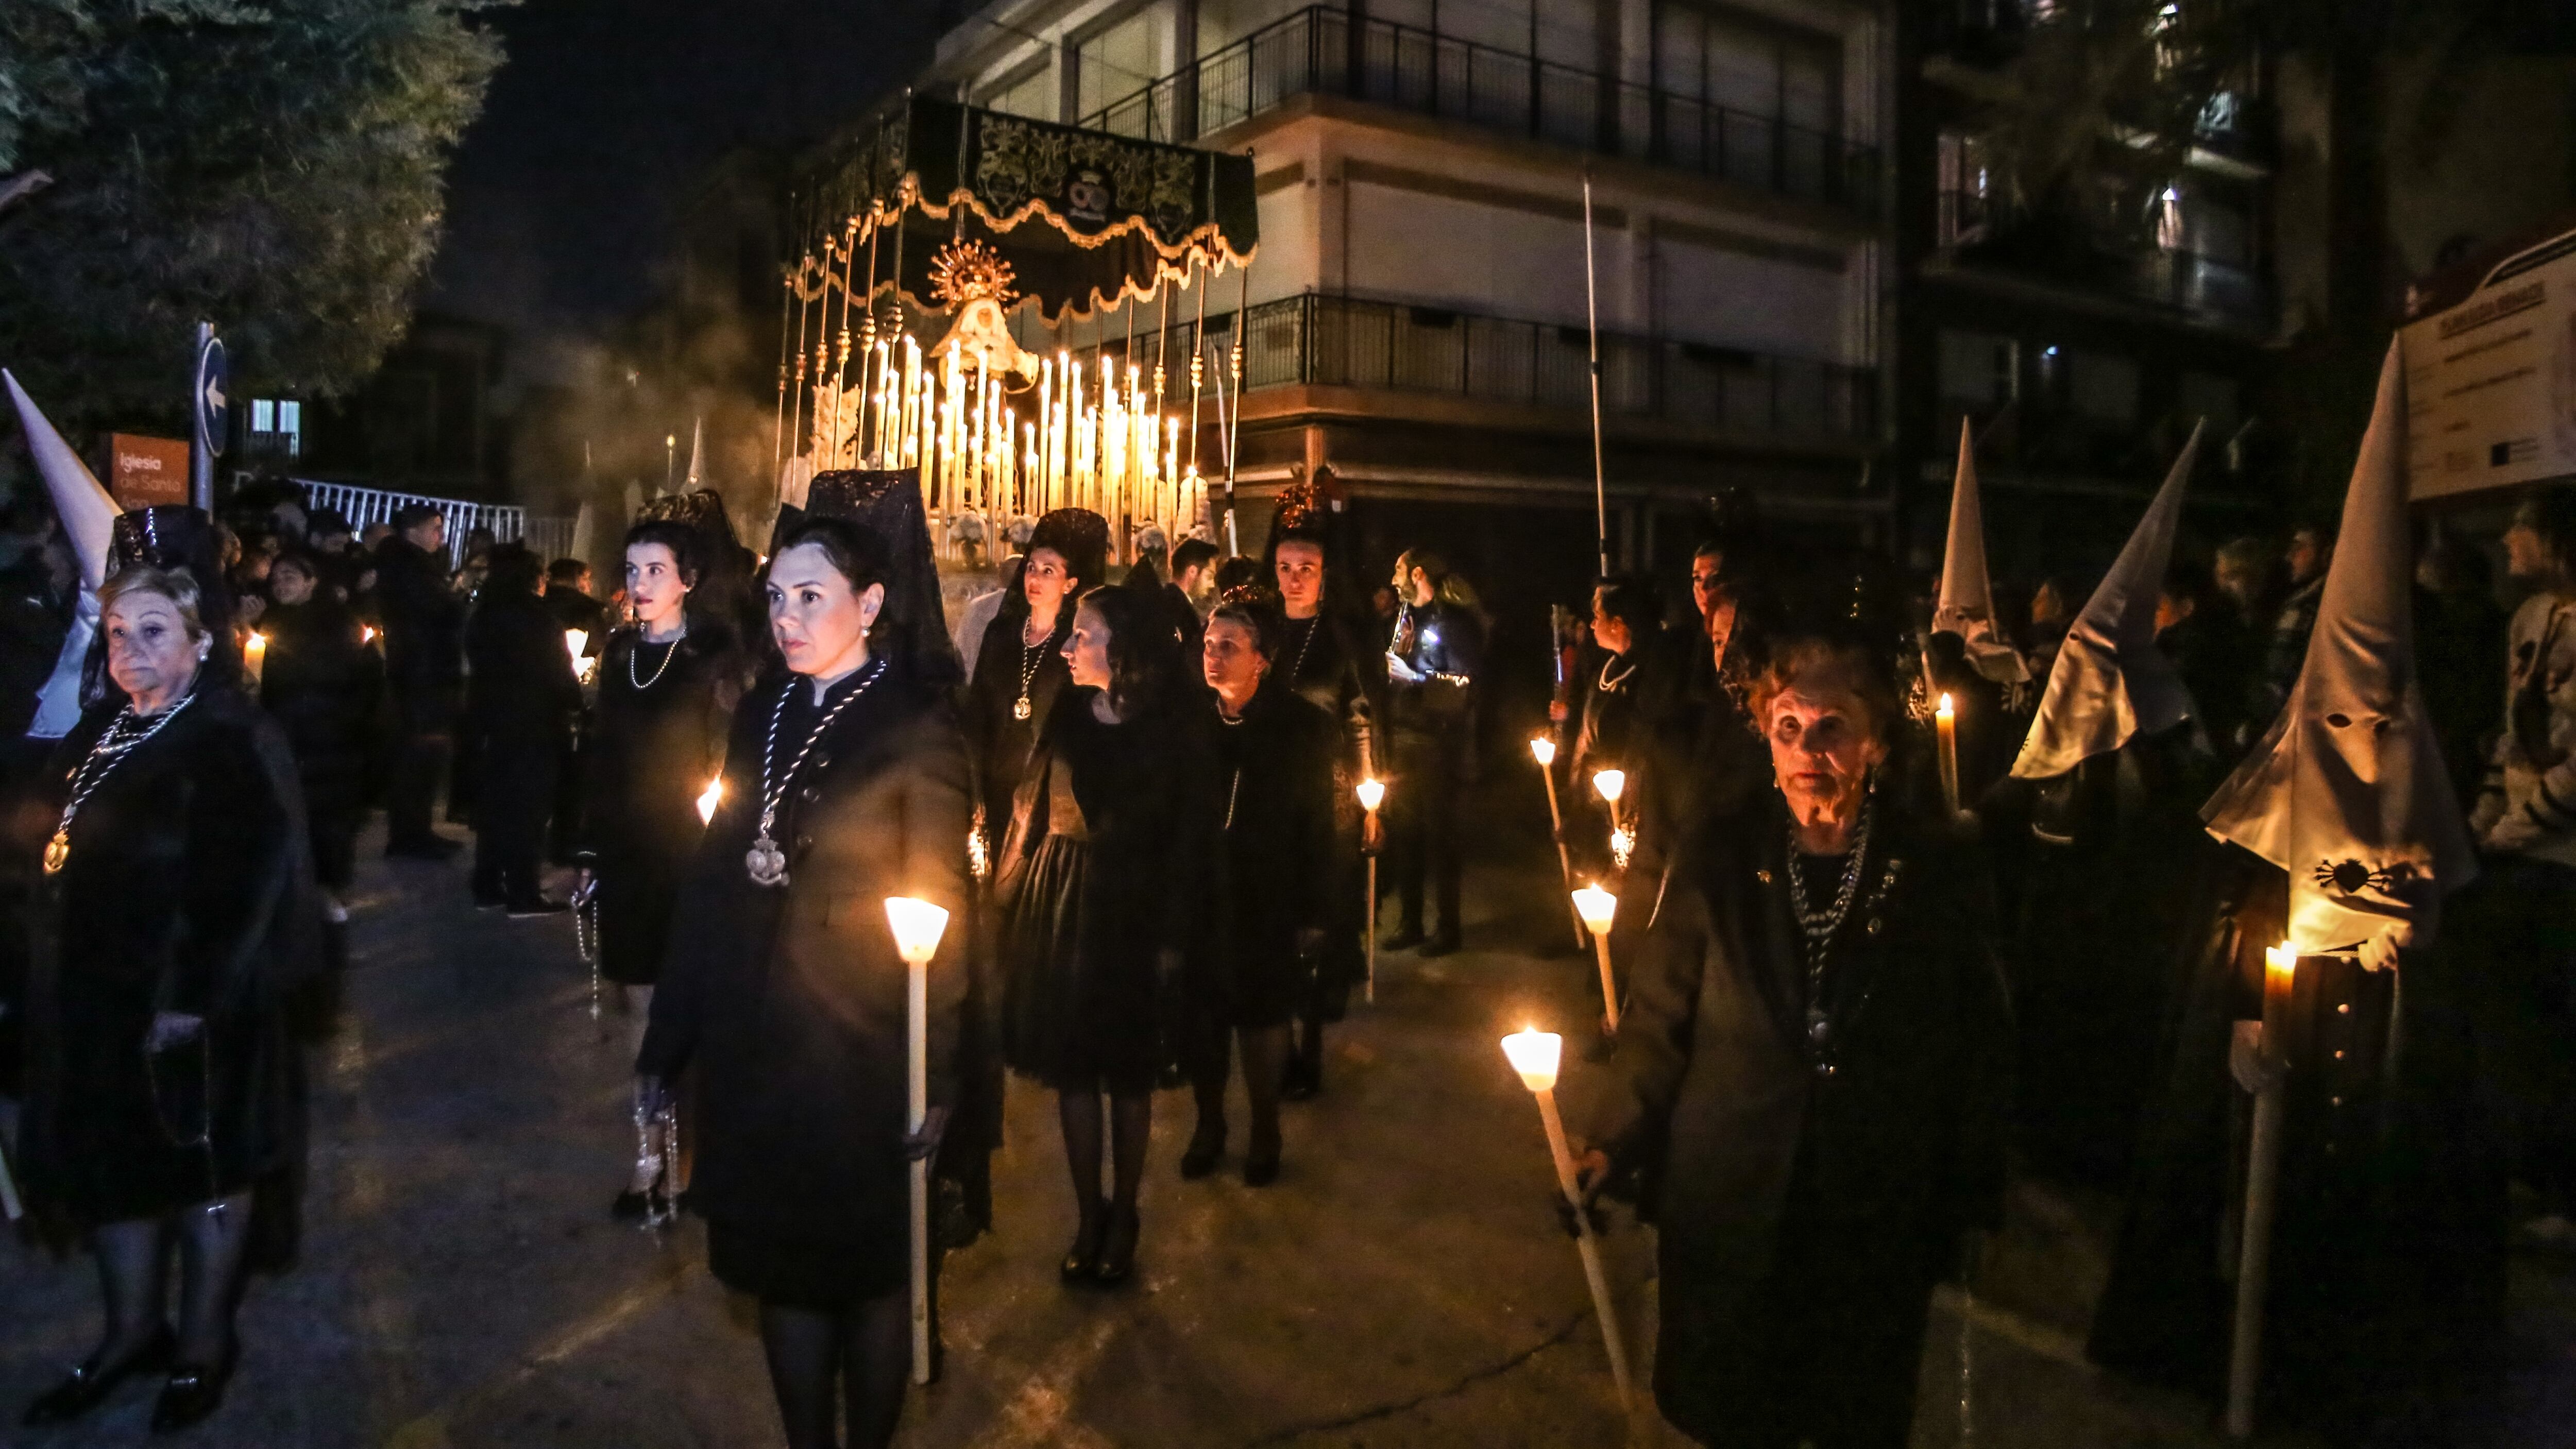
x=1372, y=793
x=366, y=633
x=708, y=799
x=917, y=926
x=1543, y=750
x=2280, y=973
x=1946, y=720
x=1534, y=1054
x=255, y=654
x=1611, y=784
x=1598, y=908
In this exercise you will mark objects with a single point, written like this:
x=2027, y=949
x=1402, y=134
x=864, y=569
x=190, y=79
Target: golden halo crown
x=962, y=271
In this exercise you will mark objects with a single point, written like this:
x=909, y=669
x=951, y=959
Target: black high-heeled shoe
x=90, y=1382
x=1082, y=1260
x=1200, y=1157
x=193, y=1393
x=1118, y=1248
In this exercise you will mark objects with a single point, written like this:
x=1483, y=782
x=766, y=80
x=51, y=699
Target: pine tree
x=278, y=168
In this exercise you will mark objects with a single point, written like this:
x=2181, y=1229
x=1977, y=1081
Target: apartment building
x=1416, y=319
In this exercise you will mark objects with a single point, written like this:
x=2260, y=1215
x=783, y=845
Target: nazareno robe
x=1806, y=1200
x=189, y=889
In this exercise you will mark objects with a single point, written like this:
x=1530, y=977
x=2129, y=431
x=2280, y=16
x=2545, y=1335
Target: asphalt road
x=1404, y=1282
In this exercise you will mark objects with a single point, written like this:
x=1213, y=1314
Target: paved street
x=1403, y=1284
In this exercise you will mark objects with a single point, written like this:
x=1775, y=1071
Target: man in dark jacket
x=568, y=598
x=519, y=709
x=425, y=666
x=1432, y=664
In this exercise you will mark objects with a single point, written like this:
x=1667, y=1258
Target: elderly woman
x=1811, y=1070
x=845, y=785
x=1266, y=790
x=175, y=908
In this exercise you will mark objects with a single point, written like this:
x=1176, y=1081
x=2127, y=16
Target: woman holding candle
x=325, y=685
x=845, y=784
x=1321, y=658
x=1268, y=790
x=1811, y=1066
x=667, y=688
x=174, y=913
x=1094, y=886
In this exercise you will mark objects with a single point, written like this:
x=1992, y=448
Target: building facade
x=1417, y=316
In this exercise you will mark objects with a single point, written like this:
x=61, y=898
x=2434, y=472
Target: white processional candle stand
x=1596, y=908
x=2262, y=1187
x=1610, y=785
x=917, y=926
x=1945, y=721
x=1534, y=1054
x=1543, y=750
x=1372, y=794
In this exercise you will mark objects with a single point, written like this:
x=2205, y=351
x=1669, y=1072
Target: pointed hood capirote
x=2111, y=683
x=88, y=517
x=2347, y=790
x=1967, y=605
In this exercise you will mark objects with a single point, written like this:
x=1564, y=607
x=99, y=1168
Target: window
x=1979, y=369
x=1121, y=59
x=2103, y=388
x=1705, y=53
x=277, y=427
x=1967, y=180
x=263, y=416
x=1032, y=93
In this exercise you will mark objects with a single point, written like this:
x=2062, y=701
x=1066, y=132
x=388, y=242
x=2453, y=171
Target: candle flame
x=708, y=798
x=1611, y=784
x=1372, y=793
x=1597, y=907
x=1945, y=710
x=1534, y=1054
x=917, y=926
x=1544, y=750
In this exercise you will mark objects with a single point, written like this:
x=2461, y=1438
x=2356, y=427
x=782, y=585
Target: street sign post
x=207, y=401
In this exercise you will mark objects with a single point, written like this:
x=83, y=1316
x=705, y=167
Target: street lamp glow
x=1610, y=783
x=1534, y=1055
x=917, y=925
x=708, y=799
x=1372, y=794
x=1543, y=750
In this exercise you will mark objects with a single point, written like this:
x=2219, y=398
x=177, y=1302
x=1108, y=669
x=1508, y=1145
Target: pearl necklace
x=669, y=652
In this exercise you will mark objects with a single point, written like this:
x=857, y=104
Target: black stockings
x=818, y=1357
x=1131, y=1123
x=133, y=1273
x=1265, y=1063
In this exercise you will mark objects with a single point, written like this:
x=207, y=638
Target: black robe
x=1805, y=1213
x=655, y=749
x=1323, y=660
x=325, y=684
x=188, y=889
x=790, y=1001
x=998, y=741
x=1269, y=868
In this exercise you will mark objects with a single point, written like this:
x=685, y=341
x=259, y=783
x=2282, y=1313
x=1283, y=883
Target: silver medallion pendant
x=1021, y=709
x=766, y=863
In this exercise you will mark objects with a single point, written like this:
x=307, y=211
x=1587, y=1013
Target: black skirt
x=1077, y=1015
x=827, y=1277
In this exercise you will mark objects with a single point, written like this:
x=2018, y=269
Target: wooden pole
x=2254, y=1266
x=1564, y=862
x=1609, y=984
x=1372, y=930
x=1585, y=1243
x=1592, y=323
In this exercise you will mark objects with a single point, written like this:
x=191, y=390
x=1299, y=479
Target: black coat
x=997, y=740
x=655, y=749
x=188, y=889
x=790, y=1001
x=1872, y=1167
x=325, y=684
x=521, y=691
x=424, y=619
x=1269, y=869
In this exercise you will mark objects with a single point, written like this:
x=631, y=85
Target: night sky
x=561, y=198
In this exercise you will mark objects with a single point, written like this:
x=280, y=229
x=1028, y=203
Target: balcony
x=1324, y=51
x=1981, y=236
x=1332, y=341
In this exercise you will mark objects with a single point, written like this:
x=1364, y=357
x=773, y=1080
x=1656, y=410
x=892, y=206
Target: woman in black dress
x=1020, y=668
x=1812, y=1072
x=325, y=684
x=1322, y=660
x=1268, y=790
x=667, y=687
x=1094, y=893
x=845, y=785
x=175, y=910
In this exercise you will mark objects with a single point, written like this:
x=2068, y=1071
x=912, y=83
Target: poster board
x=2491, y=380
x=143, y=472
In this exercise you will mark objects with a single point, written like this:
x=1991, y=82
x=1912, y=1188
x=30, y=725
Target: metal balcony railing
x=2206, y=288
x=1323, y=50
x=1326, y=340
